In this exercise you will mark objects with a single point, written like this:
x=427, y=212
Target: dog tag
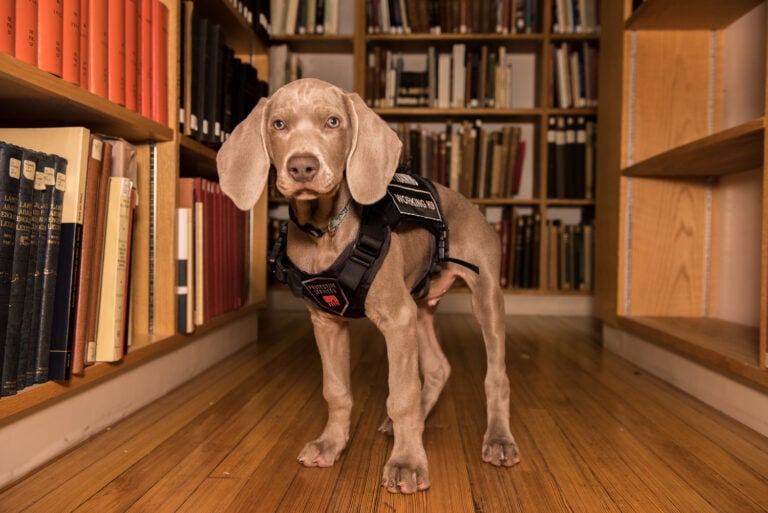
x=327, y=294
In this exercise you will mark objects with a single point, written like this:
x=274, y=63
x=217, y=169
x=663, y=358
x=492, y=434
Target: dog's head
x=312, y=132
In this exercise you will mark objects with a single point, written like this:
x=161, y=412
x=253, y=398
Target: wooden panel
x=724, y=346
x=672, y=98
x=667, y=247
x=688, y=14
x=607, y=210
x=733, y=150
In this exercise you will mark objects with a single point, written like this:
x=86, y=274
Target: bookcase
x=532, y=54
x=31, y=97
x=682, y=178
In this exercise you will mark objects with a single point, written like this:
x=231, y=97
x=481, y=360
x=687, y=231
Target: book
x=7, y=24
x=50, y=32
x=159, y=74
x=116, y=21
x=98, y=47
x=25, y=31
x=84, y=46
x=10, y=180
x=110, y=329
x=85, y=310
x=46, y=273
x=18, y=277
x=70, y=41
x=132, y=54
x=184, y=298
x=145, y=58
x=187, y=203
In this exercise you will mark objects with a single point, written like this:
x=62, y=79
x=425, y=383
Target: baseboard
x=50, y=431
x=458, y=302
x=737, y=400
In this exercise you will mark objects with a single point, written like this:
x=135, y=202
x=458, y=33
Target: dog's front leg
x=332, y=337
x=406, y=471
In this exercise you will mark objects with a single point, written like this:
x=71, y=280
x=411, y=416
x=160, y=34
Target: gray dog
x=334, y=159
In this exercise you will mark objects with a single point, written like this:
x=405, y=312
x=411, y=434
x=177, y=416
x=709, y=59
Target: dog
x=333, y=155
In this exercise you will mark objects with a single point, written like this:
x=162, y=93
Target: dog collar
x=333, y=224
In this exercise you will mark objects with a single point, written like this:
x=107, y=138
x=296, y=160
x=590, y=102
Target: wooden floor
x=595, y=433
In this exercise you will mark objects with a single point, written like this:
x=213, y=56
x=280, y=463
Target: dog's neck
x=322, y=215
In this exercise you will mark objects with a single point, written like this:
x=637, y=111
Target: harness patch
x=327, y=293
x=411, y=201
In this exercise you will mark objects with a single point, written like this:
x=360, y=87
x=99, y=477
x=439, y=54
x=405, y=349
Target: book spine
x=110, y=329
x=88, y=263
x=55, y=183
x=182, y=261
x=26, y=36
x=98, y=47
x=116, y=51
x=145, y=58
x=49, y=35
x=132, y=54
x=7, y=24
x=84, y=46
x=70, y=41
x=10, y=173
x=160, y=62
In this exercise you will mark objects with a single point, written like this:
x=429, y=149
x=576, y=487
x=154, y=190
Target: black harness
x=342, y=288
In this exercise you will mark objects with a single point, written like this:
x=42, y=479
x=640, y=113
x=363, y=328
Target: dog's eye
x=278, y=124
x=333, y=122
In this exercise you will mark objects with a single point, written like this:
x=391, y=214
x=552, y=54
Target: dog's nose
x=303, y=168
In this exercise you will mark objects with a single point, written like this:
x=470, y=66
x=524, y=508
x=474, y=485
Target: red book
x=7, y=23
x=160, y=62
x=116, y=51
x=132, y=54
x=70, y=42
x=25, y=37
x=145, y=57
x=50, y=32
x=84, y=10
x=98, y=50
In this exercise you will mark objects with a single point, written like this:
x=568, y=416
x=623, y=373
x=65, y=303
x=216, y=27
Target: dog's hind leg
x=499, y=447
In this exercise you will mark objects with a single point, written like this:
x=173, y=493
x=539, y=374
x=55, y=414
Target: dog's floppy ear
x=243, y=161
x=373, y=155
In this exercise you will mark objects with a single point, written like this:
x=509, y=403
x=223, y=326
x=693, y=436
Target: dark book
x=18, y=276
x=212, y=92
x=55, y=185
x=200, y=71
x=552, y=157
x=10, y=172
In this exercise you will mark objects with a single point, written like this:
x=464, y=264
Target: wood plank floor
x=596, y=434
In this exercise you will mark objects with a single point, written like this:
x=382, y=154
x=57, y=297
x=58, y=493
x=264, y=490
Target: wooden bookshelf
x=685, y=160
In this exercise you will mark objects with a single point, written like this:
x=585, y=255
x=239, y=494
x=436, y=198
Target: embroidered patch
x=414, y=202
x=327, y=294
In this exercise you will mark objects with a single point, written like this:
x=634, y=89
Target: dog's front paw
x=320, y=453
x=405, y=478
x=501, y=452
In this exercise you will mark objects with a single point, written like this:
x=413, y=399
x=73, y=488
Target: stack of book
x=467, y=157
x=68, y=198
x=460, y=16
x=566, y=247
x=217, y=90
x=211, y=254
x=571, y=157
x=581, y=16
x=117, y=49
x=575, y=72
x=467, y=76
x=289, y=17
